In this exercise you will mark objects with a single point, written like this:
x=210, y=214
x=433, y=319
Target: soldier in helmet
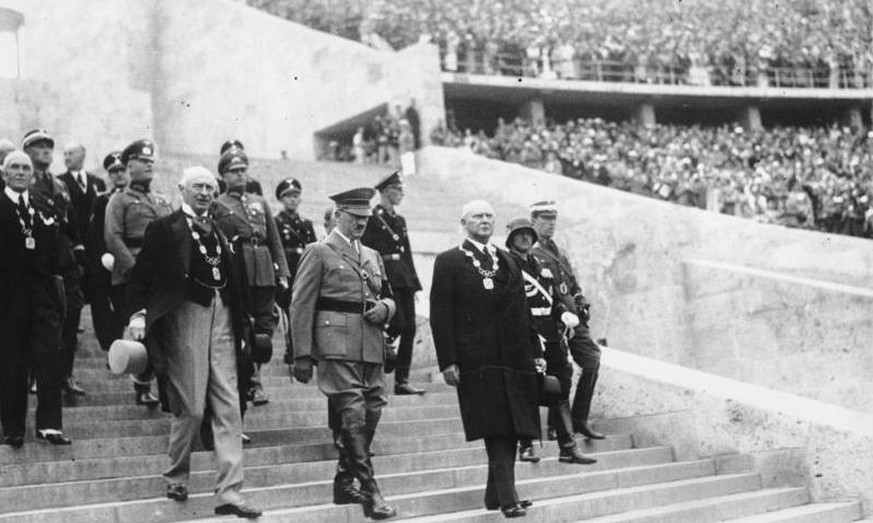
x=553, y=316
x=128, y=213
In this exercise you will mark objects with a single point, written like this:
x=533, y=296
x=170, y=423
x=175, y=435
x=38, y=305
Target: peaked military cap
x=36, y=136
x=232, y=159
x=545, y=207
x=388, y=181
x=138, y=150
x=354, y=201
x=518, y=225
x=112, y=161
x=231, y=144
x=287, y=185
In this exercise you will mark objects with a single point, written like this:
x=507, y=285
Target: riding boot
x=356, y=441
x=570, y=452
x=582, y=403
x=344, y=490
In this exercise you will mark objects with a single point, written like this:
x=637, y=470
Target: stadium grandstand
x=711, y=163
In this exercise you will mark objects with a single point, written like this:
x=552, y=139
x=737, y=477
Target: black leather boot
x=401, y=383
x=344, y=490
x=582, y=403
x=570, y=452
x=356, y=441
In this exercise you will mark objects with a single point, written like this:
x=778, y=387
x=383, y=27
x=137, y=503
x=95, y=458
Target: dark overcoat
x=488, y=334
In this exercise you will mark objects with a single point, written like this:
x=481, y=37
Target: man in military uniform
x=246, y=220
x=39, y=146
x=32, y=307
x=128, y=213
x=552, y=317
x=252, y=186
x=583, y=350
x=108, y=321
x=340, y=302
x=386, y=233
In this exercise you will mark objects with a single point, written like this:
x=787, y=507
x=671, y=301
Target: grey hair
x=16, y=155
x=198, y=171
x=469, y=206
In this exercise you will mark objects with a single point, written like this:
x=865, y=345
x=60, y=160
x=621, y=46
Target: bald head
x=477, y=217
x=74, y=156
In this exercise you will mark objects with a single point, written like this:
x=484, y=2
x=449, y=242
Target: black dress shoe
x=527, y=454
x=240, y=509
x=72, y=388
x=575, y=457
x=259, y=398
x=55, y=438
x=146, y=398
x=513, y=511
x=405, y=389
x=588, y=432
x=525, y=503
x=15, y=442
x=177, y=491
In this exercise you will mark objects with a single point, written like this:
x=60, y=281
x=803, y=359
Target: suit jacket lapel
x=182, y=237
x=345, y=250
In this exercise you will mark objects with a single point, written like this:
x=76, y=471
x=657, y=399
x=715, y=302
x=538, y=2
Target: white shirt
x=14, y=195
x=188, y=210
x=485, y=248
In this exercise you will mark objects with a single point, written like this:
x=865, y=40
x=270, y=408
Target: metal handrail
x=587, y=69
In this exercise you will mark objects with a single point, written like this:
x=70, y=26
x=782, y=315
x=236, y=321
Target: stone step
x=81, y=413
x=715, y=509
x=811, y=513
x=120, y=467
x=34, y=451
x=258, y=420
x=556, y=499
x=417, y=492
x=29, y=497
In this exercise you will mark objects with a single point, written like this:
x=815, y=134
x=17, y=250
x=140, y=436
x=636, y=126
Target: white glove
x=136, y=327
x=108, y=261
x=569, y=319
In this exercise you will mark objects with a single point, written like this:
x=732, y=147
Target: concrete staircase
x=425, y=467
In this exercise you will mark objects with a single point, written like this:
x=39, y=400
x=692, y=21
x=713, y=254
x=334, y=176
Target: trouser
x=70, y=326
x=202, y=371
x=403, y=325
x=141, y=382
x=500, y=487
x=30, y=341
x=108, y=320
x=263, y=301
x=558, y=365
x=586, y=354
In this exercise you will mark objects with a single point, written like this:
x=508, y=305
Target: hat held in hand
x=128, y=357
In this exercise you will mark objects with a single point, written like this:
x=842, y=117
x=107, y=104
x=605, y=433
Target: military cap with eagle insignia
x=354, y=201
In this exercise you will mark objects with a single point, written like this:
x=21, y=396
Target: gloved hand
x=377, y=313
x=107, y=260
x=569, y=319
x=302, y=370
x=283, y=297
x=540, y=364
x=452, y=375
x=136, y=327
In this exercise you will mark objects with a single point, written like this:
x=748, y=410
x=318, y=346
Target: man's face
x=291, y=201
x=351, y=225
x=479, y=222
x=544, y=224
x=199, y=192
x=394, y=194
x=18, y=175
x=74, y=157
x=40, y=154
x=235, y=178
x=118, y=178
x=522, y=241
x=140, y=169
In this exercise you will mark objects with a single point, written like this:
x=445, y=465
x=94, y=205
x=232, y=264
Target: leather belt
x=133, y=243
x=334, y=305
x=541, y=311
x=391, y=257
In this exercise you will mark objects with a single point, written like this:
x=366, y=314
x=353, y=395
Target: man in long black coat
x=487, y=349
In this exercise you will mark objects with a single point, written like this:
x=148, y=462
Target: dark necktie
x=203, y=224
x=22, y=211
x=487, y=261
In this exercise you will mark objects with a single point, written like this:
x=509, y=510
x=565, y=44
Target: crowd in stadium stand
x=813, y=178
x=809, y=43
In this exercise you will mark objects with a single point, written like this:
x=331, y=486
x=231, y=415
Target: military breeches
x=356, y=391
x=559, y=366
x=263, y=299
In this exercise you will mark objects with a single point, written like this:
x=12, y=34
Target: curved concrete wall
x=798, y=324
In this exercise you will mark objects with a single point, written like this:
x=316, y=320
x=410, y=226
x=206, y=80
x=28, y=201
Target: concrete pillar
x=851, y=117
x=750, y=118
x=644, y=114
x=534, y=111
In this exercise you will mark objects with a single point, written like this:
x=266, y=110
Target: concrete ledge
x=791, y=440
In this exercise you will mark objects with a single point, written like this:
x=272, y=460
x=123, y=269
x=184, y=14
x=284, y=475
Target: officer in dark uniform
x=39, y=146
x=128, y=213
x=584, y=351
x=108, y=322
x=386, y=233
x=252, y=186
x=246, y=220
x=32, y=307
x=552, y=317
x=296, y=233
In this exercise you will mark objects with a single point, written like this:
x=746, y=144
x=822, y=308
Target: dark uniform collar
x=143, y=186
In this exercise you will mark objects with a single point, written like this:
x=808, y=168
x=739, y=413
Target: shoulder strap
x=375, y=287
x=390, y=230
x=533, y=281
